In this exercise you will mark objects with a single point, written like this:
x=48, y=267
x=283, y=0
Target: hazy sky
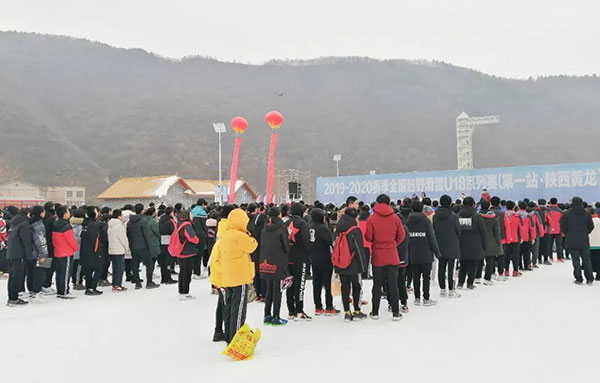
x=513, y=38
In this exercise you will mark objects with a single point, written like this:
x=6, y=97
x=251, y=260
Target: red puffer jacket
x=63, y=239
x=385, y=232
x=514, y=223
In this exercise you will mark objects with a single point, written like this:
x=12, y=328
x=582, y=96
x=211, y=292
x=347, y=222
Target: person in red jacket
x=385, y=231
x=545, y=241
x=527, y=232
x=65, y=246
x=513, y=240
x=555, y=234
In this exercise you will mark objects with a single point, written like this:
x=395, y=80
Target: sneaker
x=91, y=292
x=404, y=309
x=79, y=287
x=358, y=316
x=104, y=283
x=579, y=283
x=198, y=277
x=66, y=296
x=396, y=317
x=118, y=289
x=186, y=297
x=319, y=312
x=477, y=281
x=16, y=302
x=23, y=295
x=429, y=302
x=528, y=268
x=292, y=316
x=169, y=282
x=152, y=285
x=409, y=290
x=516, y=274
x=37, y=299
x=590, y=283
x=303, y=317
x=535, y=266
x=488, y=283
x=138, y=286
x=560, y=260
x=547, y=263
x=331, y=312
x=374, y=316
x=278, y=322
x=454, y=294
x=471, y=287
x=3, y=276
x=460, y=287
x=443, y=293
x=268, y=319
x=417, y=301
x=219, y=336
x=347, y=316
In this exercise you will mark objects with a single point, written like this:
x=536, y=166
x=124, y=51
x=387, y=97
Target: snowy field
x=537, y=328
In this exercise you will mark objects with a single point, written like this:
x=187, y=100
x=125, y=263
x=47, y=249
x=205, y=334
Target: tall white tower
x=465, y=126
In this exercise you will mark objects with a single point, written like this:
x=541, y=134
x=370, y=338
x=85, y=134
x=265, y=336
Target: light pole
x=337, y=158
x=220, y=128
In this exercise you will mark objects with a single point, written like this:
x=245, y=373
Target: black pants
x=50, y=274
x=367, y=253
x=525, y=254
x=36, y=276
x=322, y=278
x=63, y=270
x=490, y=264
x=545, y=248
x=186, y=266
x=137, y=257
x=164, y=261
x=16, y=274
x=219, y=310
x=295, y=294
x=197, y=266
x=118, y=266
x=260, y=285
x=3, y=261
x=421, y=270
x=500, y=263
x=128, y=273
x=77, y=272
x=92, y=276
x=350, y=282
x=511, y=253
x=409, y=276
x=556, y=239
x=467, y=271
x=446, y=267
x=273, y=298
x=389, y=274
x=402, y=286
x=234, y=312
x=582, y=256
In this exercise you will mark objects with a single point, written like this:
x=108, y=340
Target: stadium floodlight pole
x=220, y=128
x=337, y=159
x=465, y=126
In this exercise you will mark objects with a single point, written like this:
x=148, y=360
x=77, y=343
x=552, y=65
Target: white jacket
x=595, y=234
x=118, y=244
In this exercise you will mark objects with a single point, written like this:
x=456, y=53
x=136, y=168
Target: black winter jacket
x=498, y=211
x=447, y=233
x=138, y=232
x=321, y=240
x=186, y=236
x=39, y=249
x=256, y=225
x=48, y=224
x=90, y=253
x=403, y=246
x=18, y=240
x=575, y=223
x=274, y=250
x=299, y=237
x=423, y=244
x=493, y=237
x=472, y=234
x=355, y=243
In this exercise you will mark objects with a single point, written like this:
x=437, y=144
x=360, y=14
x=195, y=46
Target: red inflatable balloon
x=239, y=124
x=274, y=119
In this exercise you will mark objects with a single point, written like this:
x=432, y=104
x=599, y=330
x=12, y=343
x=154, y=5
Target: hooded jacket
x=545, y=219
x=77, y=224
x=354, y=238
x=154, y=236
x=423, y=244
x=19, y=238
x=214, y=261
x=233, y=265
x=138, y=232
x=49, y=220
x=274, y=250
x=513, y=235
x=526, y=226
x=555, y=215
x=299, y=238
x=199, y=221
x=403, y=246
x=472, y=234
x=321, y=239
x=505, y=231
x=577, y=224
x=385, y=232
x=256, y=225
x=118, y=244
x=63, y=239
x=447, y=232
x=89, y=252
x=493, y=237
x=39, y=249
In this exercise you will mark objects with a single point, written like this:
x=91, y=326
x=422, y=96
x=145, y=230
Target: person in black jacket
x=504, y=232
x=321, y=240
x=138, y=233
x=472, y=242
x=273, y=264
x=166, y=226
x=49, y=219
x=403, y=268
x=576, y=223
x=36, y=274
x=493, y=241
x=89, y=253
x=422, y=247
x=299, y=237
x=199, y=221
x=188, y=237
x=447, y=233
x=256, y=223
x=349, y=277
x=19, y=250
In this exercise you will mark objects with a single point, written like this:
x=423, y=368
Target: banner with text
x=542, y=181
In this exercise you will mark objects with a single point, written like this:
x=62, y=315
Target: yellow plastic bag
x=243, y=344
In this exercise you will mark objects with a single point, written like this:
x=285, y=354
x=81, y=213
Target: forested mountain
x=72, y=110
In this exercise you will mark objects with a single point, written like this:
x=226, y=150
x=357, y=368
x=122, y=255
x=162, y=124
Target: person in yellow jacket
x=214, y=263
x=233, y=269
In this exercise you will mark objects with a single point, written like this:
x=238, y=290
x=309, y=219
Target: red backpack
x=175, y=246
x=342, y=257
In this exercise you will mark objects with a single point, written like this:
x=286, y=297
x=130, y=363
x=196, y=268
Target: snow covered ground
x=537, y=328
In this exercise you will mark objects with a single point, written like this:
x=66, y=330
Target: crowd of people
x=256, y=252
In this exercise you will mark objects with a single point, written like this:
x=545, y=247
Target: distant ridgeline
x=541, y=181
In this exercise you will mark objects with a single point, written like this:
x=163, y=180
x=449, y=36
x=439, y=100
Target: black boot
x=219, y=337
